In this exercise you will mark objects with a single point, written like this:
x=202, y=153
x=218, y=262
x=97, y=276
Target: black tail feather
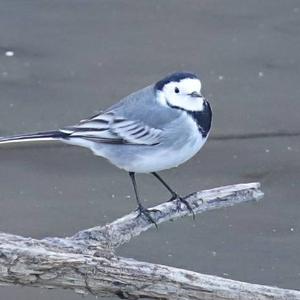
x=36, y=136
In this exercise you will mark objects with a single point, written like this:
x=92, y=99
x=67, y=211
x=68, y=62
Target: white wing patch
x=108, y=128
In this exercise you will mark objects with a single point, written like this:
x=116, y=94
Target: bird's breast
x=181, y=143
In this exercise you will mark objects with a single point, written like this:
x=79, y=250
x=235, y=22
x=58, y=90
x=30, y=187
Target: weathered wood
x=87, y=263
x=123, y=229
x=111, y=275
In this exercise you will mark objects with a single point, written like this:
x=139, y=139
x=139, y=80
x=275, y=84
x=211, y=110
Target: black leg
x=141, y=208
x=174, y=194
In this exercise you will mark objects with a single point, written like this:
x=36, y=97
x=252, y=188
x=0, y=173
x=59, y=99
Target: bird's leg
x=142, y=210
x=174, y=195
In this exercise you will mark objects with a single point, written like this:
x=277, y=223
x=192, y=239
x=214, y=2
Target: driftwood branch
x=87, y=263
x=123, y=229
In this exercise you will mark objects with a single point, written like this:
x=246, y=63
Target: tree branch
x=123, y=229
x=87, y=263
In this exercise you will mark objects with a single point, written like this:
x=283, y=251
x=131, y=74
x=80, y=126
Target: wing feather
x=109, y=128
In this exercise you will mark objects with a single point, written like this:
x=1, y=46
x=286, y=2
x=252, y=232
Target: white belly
x=165, y=158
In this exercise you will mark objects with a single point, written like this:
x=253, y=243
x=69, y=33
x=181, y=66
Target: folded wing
x=110, y=128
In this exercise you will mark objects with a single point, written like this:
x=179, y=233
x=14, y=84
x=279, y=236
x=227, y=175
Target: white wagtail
x=156, y=128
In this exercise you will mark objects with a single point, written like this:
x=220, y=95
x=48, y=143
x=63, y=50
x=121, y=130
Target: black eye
x=176, y=90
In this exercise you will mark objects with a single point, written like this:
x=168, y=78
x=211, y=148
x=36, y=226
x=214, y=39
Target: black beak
x=196, y=95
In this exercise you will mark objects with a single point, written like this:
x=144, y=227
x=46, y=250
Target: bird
x=155, y=128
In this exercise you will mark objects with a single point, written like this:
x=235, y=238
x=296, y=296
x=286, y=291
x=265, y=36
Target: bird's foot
x=182, y=200
x=147, y=213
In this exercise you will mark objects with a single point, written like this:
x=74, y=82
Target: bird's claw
x=147, y=213
x=182, y=200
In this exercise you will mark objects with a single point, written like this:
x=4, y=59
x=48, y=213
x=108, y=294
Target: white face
x=183, y=94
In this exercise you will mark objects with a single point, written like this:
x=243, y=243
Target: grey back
x=143, y=106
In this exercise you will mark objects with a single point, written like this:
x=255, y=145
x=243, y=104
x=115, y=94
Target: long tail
x=34, y=137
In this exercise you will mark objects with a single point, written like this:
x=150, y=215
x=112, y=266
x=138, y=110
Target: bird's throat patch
x=203, y=119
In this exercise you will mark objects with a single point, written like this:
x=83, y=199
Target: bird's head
x=180, y=90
